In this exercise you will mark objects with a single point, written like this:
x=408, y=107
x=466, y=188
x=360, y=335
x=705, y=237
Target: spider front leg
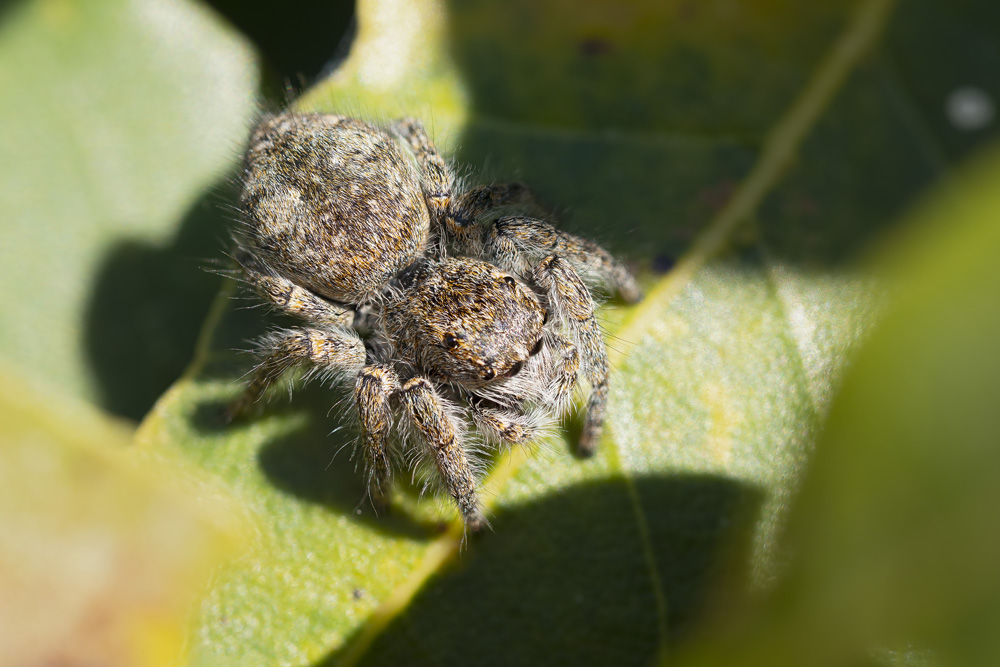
x=505, y=426
x=428, y=416
x=289, y=297
x=335, y=351
x=372, y=391
x=455, y=215
x=517, y=242
x=514, y=423
x=572, y=301
x=565, y=370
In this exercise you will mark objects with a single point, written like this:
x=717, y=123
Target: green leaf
x=761, y=148
x=119, y=117
x=892, y=540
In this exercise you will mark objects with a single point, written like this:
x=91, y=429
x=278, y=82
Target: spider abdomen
x=333, y=204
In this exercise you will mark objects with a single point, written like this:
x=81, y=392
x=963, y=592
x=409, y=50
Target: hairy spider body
x=332, y=204
x=467, y=319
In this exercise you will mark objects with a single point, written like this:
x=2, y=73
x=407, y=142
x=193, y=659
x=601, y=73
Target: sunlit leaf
x=119, y=117
x=894, y=555
x=756, y=149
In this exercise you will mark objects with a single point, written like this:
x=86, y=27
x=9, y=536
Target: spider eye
x=510, y=282
x=450, y=341
x=515, y=369
x=488, y=374
x=538, y=347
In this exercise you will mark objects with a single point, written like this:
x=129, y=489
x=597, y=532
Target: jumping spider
x=351, y=227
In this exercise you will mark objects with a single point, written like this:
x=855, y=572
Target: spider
x=440, y=312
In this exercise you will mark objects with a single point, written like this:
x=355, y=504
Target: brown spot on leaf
x=596, y=46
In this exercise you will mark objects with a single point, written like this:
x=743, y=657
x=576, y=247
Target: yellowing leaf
x=100, y=562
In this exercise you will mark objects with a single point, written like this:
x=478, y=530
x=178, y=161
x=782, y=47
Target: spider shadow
x=314, y=459
x=568, y=578
x=571, y=425
x=325, y=473
x=148, y=304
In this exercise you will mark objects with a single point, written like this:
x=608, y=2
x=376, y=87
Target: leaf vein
x=779, y=151
x=779, y=148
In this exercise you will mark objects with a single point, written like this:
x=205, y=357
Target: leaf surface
x=120, y=117
x=101, y=556
x=751, y=152
x=893, y=553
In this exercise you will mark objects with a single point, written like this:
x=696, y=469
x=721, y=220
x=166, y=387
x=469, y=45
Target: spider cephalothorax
x=468, y=318
x=464, y=321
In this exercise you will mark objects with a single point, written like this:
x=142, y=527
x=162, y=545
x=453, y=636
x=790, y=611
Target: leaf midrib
x=780, y=147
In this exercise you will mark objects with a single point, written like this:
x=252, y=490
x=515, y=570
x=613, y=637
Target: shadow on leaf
x=648, y=133
x=148, y=305
x=309, y=451
x=321, y=467
x=568, y=578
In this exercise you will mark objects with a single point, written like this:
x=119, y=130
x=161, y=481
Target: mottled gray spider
x=363, y=231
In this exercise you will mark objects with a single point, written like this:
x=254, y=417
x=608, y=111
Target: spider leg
x=516, y=241
x=461, y=225
x=572, y=301
x=337, y=351
x=535, y=249
x=436, y=179
x=427, y=414
x=289, y=297
x=503, y=426
x=484, y=198
x=455, y=215
x=565, y=371
x=374, y=387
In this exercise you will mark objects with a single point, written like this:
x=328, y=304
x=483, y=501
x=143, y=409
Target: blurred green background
x=802, y=449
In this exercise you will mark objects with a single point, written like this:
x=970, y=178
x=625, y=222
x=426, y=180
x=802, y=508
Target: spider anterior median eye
x=515, y=369
x=488, y=374
x=450, y=341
